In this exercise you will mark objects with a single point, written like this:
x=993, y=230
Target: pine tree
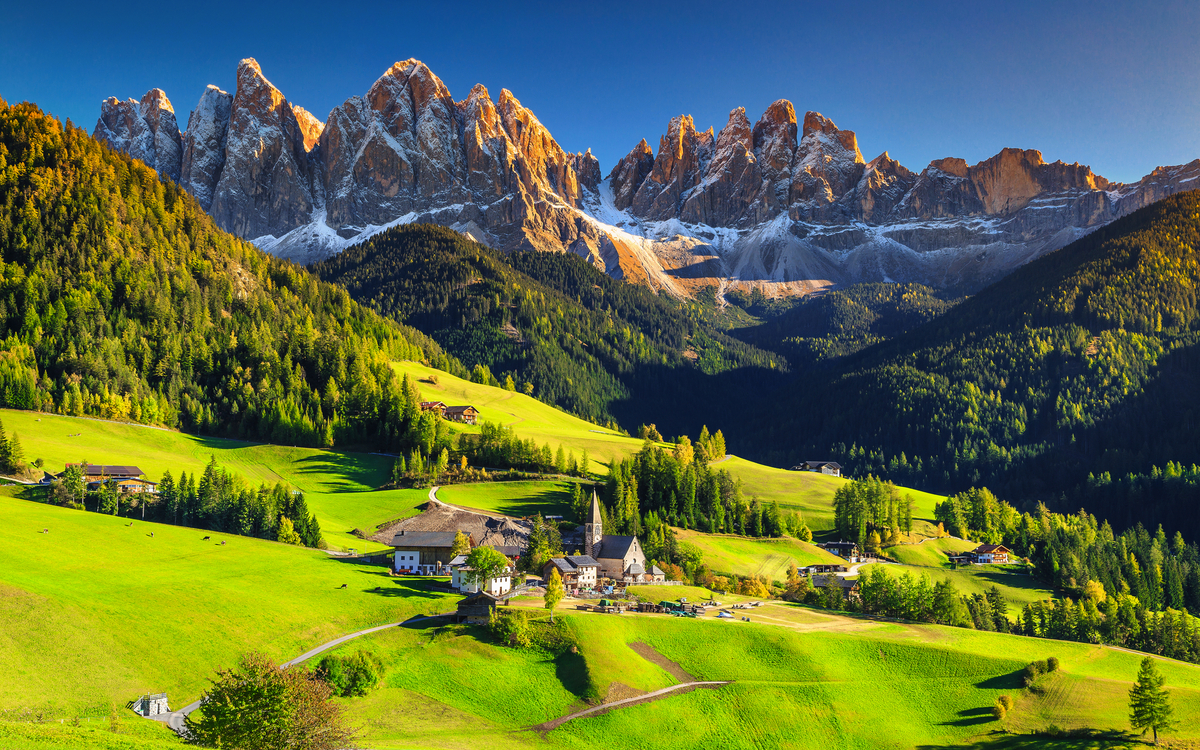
x=4, y=455
x=15, y=455
x=1149, y=703
x=167, y=495
x=109, y=503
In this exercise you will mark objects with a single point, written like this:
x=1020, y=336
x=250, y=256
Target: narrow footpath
x=647, y=698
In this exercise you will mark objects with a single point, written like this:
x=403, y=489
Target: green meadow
x=340, y=488
x=97, y=611
x=512, y=498
x=854, y=684
x=745, y=556
x=930, y=552
x=531, y=418
x=93, y=733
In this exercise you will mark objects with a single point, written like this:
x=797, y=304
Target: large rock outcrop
x=144, y=129
x=266, y=184
x=204, y=145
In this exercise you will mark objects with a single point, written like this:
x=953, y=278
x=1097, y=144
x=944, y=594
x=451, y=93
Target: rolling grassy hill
x=931, y=552
x=817, y=681
x=746, y=556
x=96, y=611
x=811, y=494
x=511, y=498
x=531, y=418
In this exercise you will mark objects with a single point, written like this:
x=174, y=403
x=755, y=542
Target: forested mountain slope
x=838, y=323
x=596, y=346
x=120, y=298
x=1083, y=362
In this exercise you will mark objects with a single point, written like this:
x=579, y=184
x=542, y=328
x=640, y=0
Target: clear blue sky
x=1112, y=84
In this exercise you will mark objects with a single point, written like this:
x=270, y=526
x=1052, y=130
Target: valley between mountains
x=872, y=457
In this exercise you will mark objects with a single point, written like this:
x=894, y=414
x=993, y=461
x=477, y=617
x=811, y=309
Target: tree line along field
x=340, y=488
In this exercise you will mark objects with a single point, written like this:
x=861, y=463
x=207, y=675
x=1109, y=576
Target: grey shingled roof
x=95, y=470
x=615, y=547
x=654, y=569
x=822, y=581
x=581, y=560
x=636, y=570
x=423, y=539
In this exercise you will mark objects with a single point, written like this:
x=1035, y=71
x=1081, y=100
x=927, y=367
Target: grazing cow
x=342, y=586
x=205, y=539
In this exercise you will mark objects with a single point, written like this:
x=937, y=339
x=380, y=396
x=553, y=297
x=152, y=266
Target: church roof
x=615, y=547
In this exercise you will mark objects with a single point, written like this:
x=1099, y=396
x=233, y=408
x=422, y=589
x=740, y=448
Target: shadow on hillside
x=345, y=472
x=571, y=670
x=1078, y=739
x=1010, y=681
x=378, y=560
x=971, y=717
x=1010, y=578
x=400, y=587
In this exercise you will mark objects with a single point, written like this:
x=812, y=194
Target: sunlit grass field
x=879, y=686
x=98, y=611
x=744, y=556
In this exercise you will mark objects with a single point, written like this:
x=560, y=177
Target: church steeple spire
x=593, y=528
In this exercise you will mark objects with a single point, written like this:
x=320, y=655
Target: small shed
x=476, y=608
x=152, y=705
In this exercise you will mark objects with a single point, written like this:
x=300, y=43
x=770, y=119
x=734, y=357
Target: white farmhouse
x=461, y=578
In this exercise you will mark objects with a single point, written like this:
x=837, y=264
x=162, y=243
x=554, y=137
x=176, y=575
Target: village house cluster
x=608, y=561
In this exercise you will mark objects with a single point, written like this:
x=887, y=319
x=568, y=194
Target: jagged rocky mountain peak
x=628, y=174
x=144, y=129
x=786, y=204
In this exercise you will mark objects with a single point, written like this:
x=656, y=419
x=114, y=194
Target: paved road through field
x=175, y=719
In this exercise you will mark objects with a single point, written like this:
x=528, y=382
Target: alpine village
x=410, y=427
